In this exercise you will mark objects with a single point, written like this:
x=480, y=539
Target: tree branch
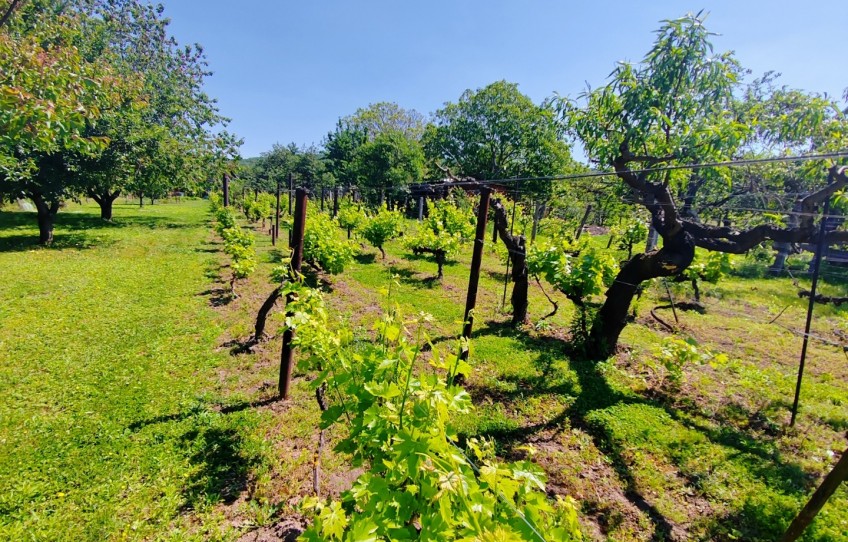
x=6, y=16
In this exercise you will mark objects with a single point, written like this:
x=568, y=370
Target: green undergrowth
x=129, y=418
x=112, y=426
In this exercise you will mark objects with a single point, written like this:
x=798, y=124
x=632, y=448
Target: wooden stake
x=476, y=261
x=298, y=229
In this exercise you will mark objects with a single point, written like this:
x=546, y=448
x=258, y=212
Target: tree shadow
x=365, y=258
x=200, y=409
x=412, y=278
x=71, y=230
x=591, y=392
x=223, y=466
x=218, y=297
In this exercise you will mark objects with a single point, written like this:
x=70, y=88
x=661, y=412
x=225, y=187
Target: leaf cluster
x=322, y=246
x=445, y=229
x=400, y=415
x=382, y=226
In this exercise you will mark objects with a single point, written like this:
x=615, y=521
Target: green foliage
x=381, y=227
x=322, y=246
x=261, y=207
x=350, y=216
x=630, y=234
x=675, y=354
x=498, y=132
x=238, y=244
x=577, y=273
x=400, y=418
x=444, y=230
x=716, y=267
x=676, y=103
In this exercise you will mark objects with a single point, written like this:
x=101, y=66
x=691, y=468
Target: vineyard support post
x=277, y=214
x=583, y=222
x=508, y=258
x=476, y=261
x=420, y=208
x=811, y=305
x=335, y=201
x=291, y=193
x=819, y=498
x=226, y=190
x=286, y=364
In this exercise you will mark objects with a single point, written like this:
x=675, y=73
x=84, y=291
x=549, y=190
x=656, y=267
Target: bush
x=383, y=226
x=323, y=248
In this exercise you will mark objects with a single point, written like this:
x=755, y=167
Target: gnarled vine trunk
x=516, y=245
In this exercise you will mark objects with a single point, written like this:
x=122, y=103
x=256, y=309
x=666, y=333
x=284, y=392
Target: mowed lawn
x=124, y=416
x=109, y=366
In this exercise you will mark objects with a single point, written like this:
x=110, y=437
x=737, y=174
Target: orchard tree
x=676, y=107
x=377, y=149
x=497, y=132
x=386, y=165
x=51, y=97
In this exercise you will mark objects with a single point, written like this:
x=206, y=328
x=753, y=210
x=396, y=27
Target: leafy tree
x=497, y=132
x=51, y=97
x=676, y=107
x=381, y=227
x=387, y=163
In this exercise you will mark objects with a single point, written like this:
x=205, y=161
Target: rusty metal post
x=476, y=261
x=277, y=215
x=298, y=228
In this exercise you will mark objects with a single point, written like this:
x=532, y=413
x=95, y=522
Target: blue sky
x=286, y=71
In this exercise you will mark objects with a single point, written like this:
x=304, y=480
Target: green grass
x=109, y=426
x=126, y=416
x=709, y=460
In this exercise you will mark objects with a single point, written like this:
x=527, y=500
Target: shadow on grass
x=365, y=258
x=218, y=297
x=591, y=392
x=71, y=230
x=413, y=278
x=200, y=409
x=222, y=462
x=222, y=465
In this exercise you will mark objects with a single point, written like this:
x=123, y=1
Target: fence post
x=583, y=222
x=277, y=215
x=226, y=190
x=335, y=201
x=291, y=192
x=819, y=498
x=476, y=261
x=811, y=305
x=298, y=228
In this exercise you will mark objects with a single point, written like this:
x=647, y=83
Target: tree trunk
x=675, y=256
x=383, y=252
x=440, y=261
x=515, y=244
x=105, y=201
x=141, y=199
x=46, y=215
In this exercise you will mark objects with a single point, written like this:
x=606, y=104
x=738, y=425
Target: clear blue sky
x=286, y=71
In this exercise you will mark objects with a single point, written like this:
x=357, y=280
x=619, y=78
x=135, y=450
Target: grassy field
x=127, y=418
